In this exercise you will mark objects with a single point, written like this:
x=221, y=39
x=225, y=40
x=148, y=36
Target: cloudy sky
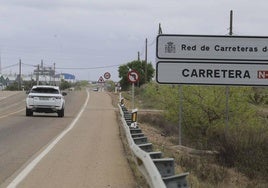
x=90, y=37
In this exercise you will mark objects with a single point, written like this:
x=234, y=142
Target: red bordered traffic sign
x=101, y=80
x=133, y=76
x=107, y=75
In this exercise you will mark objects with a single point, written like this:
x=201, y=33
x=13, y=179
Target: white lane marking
x=22, y=175
x=7, y=94
x=6, y=115
x=17, y=103
x=9, y=114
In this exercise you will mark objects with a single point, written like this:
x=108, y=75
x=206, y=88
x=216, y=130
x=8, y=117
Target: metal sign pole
x=180, y=113
x=227, y=109
x=133, y=96
x=133, y=77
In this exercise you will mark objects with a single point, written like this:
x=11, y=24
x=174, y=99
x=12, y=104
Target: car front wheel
x=29, y=112
x=61, y=113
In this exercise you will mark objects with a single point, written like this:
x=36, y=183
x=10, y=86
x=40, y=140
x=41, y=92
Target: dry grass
x=204, y=172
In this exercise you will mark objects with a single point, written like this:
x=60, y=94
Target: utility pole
x=146, y=45
x=42, y=68
x=227, y=87
x=37, y=75
x=0, y=63
x=54, y=68
x=231, y=23
x=138, y=56
x=160, y=29
x=19, y=76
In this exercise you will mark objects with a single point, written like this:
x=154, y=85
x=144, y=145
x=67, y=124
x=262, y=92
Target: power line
x=152, y=43
x=10, y=66
x=81, y=68
x=29, y=65
x=76, y=68
x=149, y=45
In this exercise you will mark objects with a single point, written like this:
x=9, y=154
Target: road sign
x=107, y=75
x=133, y=76
x=212, y=47
x=101, y=80
x=213, y=73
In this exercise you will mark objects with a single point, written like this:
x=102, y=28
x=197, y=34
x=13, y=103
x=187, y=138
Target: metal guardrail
x=159, y=172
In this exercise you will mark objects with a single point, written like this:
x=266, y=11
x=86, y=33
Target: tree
x=140, y=67
x=65, y=85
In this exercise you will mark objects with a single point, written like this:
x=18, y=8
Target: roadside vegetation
x=238, y=150
x=145, y=70
x=27, y=85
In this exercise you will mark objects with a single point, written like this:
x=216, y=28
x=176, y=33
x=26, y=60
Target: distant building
x=7, y=79
x=65, y=76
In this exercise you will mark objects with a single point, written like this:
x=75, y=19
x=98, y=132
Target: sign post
x=101, y=83
x=133, y=77
x=180, y=113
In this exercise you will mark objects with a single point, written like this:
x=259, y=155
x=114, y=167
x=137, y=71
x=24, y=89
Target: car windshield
x=45, y=90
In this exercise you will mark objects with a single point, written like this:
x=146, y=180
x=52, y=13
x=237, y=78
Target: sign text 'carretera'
x=232, y=73
x=215, y=73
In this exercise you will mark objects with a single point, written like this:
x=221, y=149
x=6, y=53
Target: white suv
x=46, y=99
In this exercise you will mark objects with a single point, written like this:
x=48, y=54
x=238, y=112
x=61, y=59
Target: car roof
x=45, y=86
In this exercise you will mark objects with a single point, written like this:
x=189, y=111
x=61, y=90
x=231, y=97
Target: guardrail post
x=176, y=181
x=165, y=166
x=127, y=117
x=137, y=135
x=148, y=147
x=155, y=155
x=140, y=140
x=135, y=131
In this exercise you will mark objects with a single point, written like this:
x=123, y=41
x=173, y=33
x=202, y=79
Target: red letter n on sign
x=262, y=74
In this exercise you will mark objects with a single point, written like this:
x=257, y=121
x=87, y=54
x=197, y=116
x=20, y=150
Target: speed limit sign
x=133, y=76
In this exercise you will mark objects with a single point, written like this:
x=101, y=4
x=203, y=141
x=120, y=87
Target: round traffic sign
x=107, y=75
x=133, y=76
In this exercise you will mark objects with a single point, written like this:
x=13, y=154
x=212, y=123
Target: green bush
x=259, y=96
x=242, y=144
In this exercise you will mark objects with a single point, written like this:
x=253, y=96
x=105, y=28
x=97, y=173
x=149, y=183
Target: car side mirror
x=64, y=93
x=27, y=92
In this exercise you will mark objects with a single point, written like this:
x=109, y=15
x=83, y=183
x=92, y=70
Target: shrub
x=242, y=144
x=246, y=148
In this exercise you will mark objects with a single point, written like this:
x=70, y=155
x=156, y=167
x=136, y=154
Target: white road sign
x=213, y=73
x=213, y=47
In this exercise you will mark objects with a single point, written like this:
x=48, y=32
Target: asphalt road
x=90, y=154
x=22, y=137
